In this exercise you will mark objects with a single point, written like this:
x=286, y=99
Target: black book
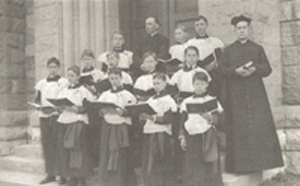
x=63, y=102
x=140, y=108
x=86, y=80
x=184, y=95
x=208, y=106
x=172, y=61
x=103, y=105
x=206, y=61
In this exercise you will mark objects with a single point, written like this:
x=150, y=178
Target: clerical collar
x=188, y=68
x=160, y=94
x=153, y=34
x=51, y=78
x=84, y=70
x=243, y=41
x=205, y=36
x=117, y=89
x=195, y=95
x=118, y=49
x=74, y=86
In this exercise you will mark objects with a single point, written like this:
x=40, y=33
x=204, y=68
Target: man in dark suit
x=153, y=42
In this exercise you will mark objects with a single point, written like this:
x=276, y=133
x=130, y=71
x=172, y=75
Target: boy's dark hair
x=201, y=17
x=160, y=75
x=88, y=52
x=149, y=53
x=118, y=32
x=75, y=69
x=115, y=71
x=115, y=54
x=191, y=48
x=202, y=76
x=53, y=60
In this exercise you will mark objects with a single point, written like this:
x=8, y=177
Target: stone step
x=253, y=179
x=20, y=164
x=11, y=178
x=29, y=151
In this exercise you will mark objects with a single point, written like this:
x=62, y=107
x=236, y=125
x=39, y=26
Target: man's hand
x=182, y=142
x=241, y=71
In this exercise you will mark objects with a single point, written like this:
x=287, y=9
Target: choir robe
x=209, y=52
x=49, y=88
x=252, y=142
x=125, y=62
x=197, y=170
x=150, y=43
x=73, y=153
x=157, y=149
x=94, y=127
x=116, y=158
x=176, y=52
x=183, y=80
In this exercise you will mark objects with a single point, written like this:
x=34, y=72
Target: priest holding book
x=252, y=143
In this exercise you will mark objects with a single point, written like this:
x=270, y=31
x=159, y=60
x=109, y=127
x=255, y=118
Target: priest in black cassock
x=152, y=42
x=252, y=142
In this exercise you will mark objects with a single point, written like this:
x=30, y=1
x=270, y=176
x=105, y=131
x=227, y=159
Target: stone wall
x=13, y=83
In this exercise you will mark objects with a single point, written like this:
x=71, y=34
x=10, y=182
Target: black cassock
x=252, y=142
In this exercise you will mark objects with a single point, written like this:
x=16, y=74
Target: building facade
x=32, y=31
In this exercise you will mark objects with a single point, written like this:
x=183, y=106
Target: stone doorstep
x=29, y=151
x=242, y=180
x=11, y=178
x=19, y=164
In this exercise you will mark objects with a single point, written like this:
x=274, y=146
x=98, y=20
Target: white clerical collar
x=154, y=33
x=244, y=41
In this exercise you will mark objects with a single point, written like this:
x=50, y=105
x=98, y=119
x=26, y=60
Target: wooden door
x=169, y=12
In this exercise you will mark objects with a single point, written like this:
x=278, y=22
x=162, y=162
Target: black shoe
x=62, y=181
x=48, y=179
x=72, y=182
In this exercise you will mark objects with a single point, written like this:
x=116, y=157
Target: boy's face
x=112, y=61
x=200, y=86
x=149, y=64
x=191, y=57
x=53, y=69
x=87, y=61
x=72, y=77
x=200, y=27
x=180, y=35
x=115, y=80
x=118, y=40
x=159, y=84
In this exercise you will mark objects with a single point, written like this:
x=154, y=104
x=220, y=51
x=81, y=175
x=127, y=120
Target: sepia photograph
x=150, y=92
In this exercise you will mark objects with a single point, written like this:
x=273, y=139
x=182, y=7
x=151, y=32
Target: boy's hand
x=145, y=117
x=119, y=111
x=47, y=110
x=182, y=142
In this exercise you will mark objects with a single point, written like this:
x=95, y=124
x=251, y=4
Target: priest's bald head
x=151, y=25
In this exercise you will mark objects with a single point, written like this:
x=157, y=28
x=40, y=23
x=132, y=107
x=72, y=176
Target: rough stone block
x=47, y=27
x=46, y=13
x=293, y=159
x=289, y=55
x=293, y=116
x=13, y=118
x=39, y=3
x=16, y=102
x=12, y=10
x=15, y=55
x=290, y=75
x=5, y=86
x=19, y=86
x=15, y=25
x=30, y=83
x=291, y=95
x=292, y=139
x=29, y=7
x=47, y=43
x=15, y=71
x=7, y=147
x=16, y=2
x=279, y=116
x=13, y=133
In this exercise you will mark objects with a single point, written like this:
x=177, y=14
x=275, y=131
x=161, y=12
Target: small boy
x=198, y=137
x=115, y=140
x=48, y=88
x=118, y=42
